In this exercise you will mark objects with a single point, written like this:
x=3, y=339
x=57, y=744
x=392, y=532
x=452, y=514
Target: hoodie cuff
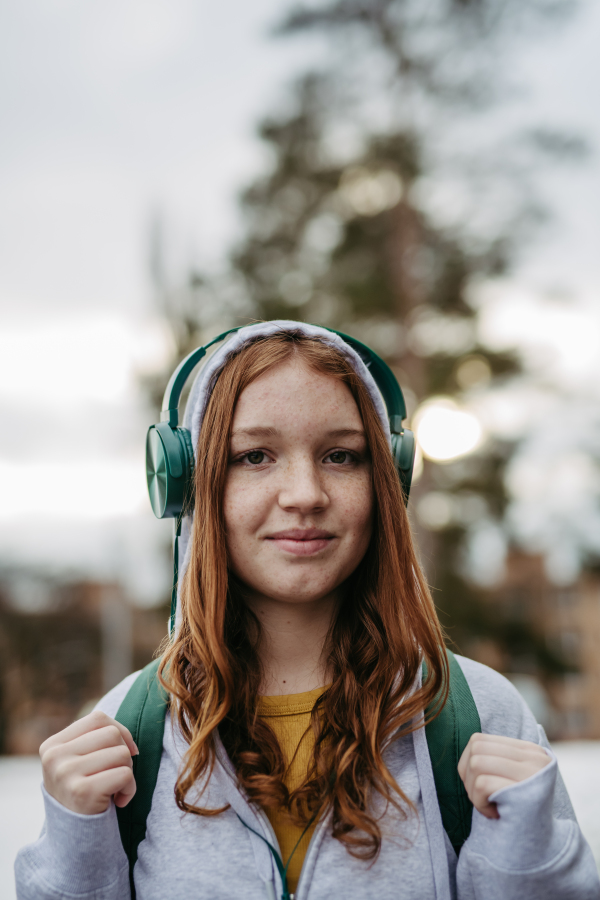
x=84, y=853
x=526, y=836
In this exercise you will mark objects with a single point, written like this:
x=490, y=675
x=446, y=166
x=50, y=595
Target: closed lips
x=302, y=542
x=300, y=534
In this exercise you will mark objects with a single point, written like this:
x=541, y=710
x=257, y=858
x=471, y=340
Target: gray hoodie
x=534, y=850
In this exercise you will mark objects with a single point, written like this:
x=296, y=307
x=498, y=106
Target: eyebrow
x=258, y=432
x=346, y=432
x=266, y=432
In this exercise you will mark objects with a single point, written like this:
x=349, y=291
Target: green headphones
x=170, y=455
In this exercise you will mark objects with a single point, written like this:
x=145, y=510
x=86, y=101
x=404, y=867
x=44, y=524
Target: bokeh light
x=445, y=431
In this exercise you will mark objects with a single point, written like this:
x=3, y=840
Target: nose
x=301, y=488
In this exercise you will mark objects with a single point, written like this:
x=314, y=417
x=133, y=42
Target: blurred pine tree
x=378, y=218
x=393, y=193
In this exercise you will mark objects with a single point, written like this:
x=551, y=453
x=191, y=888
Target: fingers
x=83, y=754
x=95, y=720
x=504, y=767
x=114, y=781
x=481, y=789
x=92, y=794
x=480, y=783
x=492, y=762
x=100, y=739
x=87, y=762
x=507, y=748
x=110, y=758
x=123, y=796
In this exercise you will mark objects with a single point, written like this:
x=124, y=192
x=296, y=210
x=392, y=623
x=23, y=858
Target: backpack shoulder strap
x=447, y=736
x=143, y=712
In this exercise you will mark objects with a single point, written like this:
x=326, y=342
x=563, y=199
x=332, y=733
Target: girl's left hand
x=490, y=762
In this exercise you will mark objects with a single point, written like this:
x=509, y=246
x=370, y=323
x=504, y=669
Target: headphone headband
x=384, y=378
x=170, y=405
x=382, y=374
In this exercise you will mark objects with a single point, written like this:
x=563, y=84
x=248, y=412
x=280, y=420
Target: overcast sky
x=111, y=111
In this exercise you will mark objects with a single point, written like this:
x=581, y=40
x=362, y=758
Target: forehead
x=294, y=394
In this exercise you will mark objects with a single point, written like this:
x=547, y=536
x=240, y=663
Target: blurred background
x=422, y=175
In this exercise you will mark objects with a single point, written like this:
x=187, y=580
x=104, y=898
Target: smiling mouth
x=302, y=542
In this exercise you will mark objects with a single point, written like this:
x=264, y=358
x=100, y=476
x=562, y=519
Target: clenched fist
x=490, y=762
x=88, y=763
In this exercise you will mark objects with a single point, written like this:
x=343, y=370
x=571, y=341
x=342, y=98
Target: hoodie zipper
x=281, y=868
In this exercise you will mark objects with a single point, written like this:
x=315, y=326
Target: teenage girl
x=295, y=677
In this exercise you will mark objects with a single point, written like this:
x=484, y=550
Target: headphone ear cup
x=169, y=465
x=185, y=437
x=403, y=451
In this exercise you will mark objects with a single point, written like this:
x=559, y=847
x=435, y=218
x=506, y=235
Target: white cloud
x=559, y=338
x=554, y=484
x=102, y=489
x=70, y=362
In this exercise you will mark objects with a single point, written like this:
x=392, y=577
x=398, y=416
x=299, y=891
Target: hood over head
x=207, y=377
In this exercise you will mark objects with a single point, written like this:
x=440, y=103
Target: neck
x=292, y=646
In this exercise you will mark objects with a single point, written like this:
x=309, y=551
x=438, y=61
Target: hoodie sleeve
x=76, y=855
x=535, y=850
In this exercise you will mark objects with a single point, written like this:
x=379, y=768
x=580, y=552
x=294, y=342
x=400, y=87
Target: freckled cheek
x=364, y=528
x=244, y=508
x=356, y=507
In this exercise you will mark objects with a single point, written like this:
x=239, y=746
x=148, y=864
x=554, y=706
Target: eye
x=340, y=456
x=255, y=457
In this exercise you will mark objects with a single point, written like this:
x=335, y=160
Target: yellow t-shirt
x=289, y=717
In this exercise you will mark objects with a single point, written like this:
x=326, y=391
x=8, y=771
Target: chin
x=301, y=597
x=294, y=593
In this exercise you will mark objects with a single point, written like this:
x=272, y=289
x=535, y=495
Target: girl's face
x=298, y=496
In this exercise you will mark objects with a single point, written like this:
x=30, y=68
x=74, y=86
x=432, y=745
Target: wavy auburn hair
x=385, y=626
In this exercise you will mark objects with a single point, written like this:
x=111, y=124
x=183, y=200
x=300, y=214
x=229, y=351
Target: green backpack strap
x=143, y=712
x=447, y=736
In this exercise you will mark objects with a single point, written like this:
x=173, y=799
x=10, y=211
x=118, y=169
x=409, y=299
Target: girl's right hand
x=88, y=763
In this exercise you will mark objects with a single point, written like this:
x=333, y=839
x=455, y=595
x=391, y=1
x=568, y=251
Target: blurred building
x=62, y=646
x=567, y=622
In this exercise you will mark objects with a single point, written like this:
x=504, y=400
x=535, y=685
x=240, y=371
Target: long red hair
x=385, y=627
